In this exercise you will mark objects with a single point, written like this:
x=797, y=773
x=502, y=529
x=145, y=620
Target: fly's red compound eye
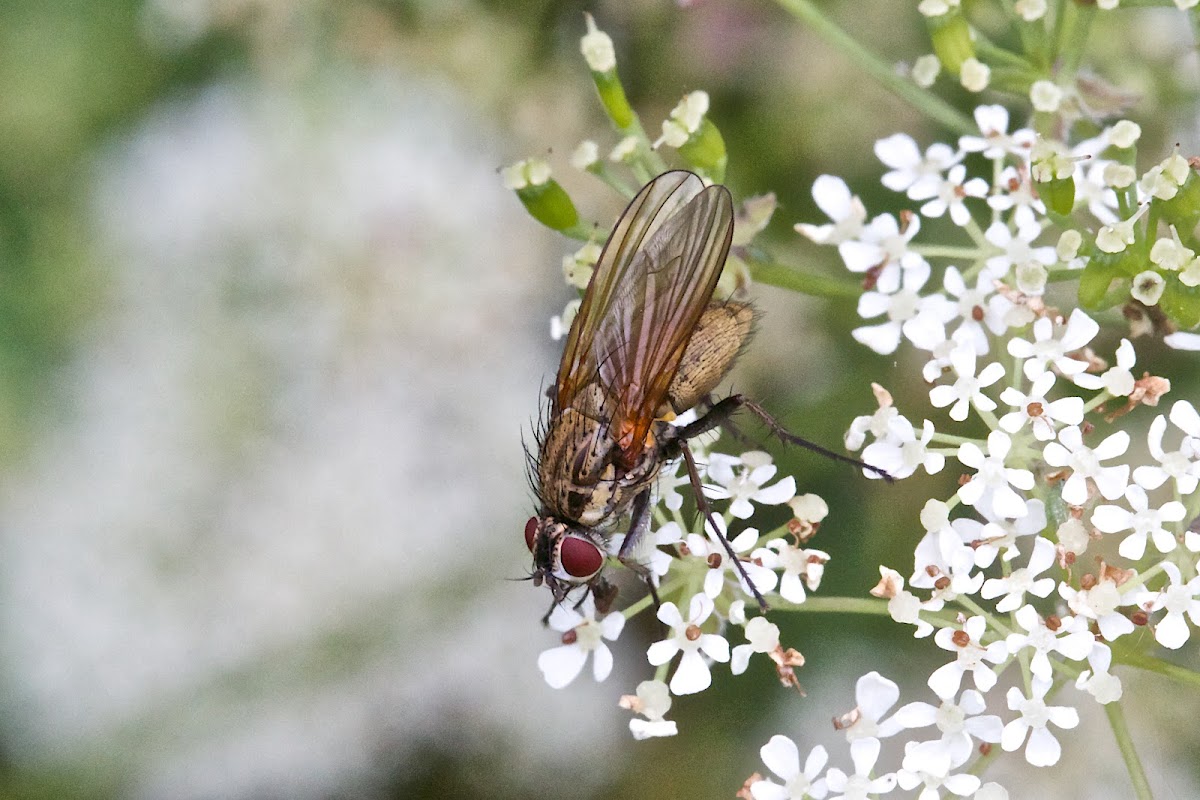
x=579, y=557
x=531, y=528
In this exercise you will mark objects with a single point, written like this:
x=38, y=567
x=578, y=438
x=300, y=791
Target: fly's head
x=564, y=555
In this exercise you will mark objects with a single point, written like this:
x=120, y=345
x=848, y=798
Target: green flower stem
x=946, y=438
x=1148, y=663
x=1060, y=275
x=614, y=181
x=1137, y=775
x=583, y=232
x=837, y=605
x=1096, y=401
x=929, y=104
x=940, y=251
x=994, y=54
x=773, y=273
x=1074, y=26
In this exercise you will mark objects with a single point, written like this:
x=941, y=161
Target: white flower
x=844, y=209
x=1070, y=638
x=710, y=549
x=747, y=485
x=652, y=701
x=1046, y=350
x=1043, y=415
x=859, y=786
x=1182, y=465
x=903, y=606
x=1145, y=521
x=560, y=325
x=991, y=487
x=936, y=8
x=925, y=70
x=921, y=319
x=684, y=120
x=624, y=149
x=967, y=390
x=1003, y=533
x=980, y=308
x=1098, y=681
x=1148, y=287
x=1043, y=750
x=761, y=637
x=561, y=665
x=1182, y=340
x=1124, y=134
x=900, y=452
x=877, y=424
x=585, y=155
x=782, y=757
x=530, y=172
x=949, y=194
x=928, y=764
x=909, y=169
x=958, y=723
x=882, y=248
x=597, y=47
x=1116, y=236
x=974, y=75
x=996, y=142
x=873, y=696
x=1030, y=10
x=1045, y=96
x=1017, y=248
x=1164, y=179
x=1023, y=580
x=1084, y=462
x=647, y=553
x=1101, y=603
x=1092, y=191
x=1014, y=190
x=800, y=567
x=970, y=654
x=1179, y=599
x=692, y=674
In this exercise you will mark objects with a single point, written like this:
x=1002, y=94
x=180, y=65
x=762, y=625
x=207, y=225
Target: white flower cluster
x=998, y=572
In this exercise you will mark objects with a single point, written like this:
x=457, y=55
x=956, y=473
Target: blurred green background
x=270, y=332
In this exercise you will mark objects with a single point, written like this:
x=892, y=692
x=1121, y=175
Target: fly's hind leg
x=639, y=526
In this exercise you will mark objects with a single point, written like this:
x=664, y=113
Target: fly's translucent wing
x=652, y=282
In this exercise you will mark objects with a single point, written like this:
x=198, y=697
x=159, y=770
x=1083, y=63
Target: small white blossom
x=859, y=786
x=1023, y=580
x=1070, y=638
x=1098, y=681
x=1116, y=236
x=1182, y=465
x=967, y=389
x=970, y=654
x=974, y=75
x=959, y=723
x=921, y=319
x=1118, y=380
x=1030, y=10
x=1180, y=600
x=1119, y=176
x=624, y=150
x=882, y=248
x=652, y=701
x=1017, y=247
x=1004, y=533
x=1045, y=96
x=1042, y=415
x=1047, y=350
x=1148, y=287
x=585, y=155
x=1164, y=180
x=530, y=172
x=926, y=69
x=761, y=637
x=903, y=606
x=561, y=665
x=692, y=674
x=1124, y=134
x=712, y=550
x=1100, y=603
x=899, y=452
x=910, y=170
x=1042, y=750
x=801, y=567
x=996, y=142
x=845, y=211
x=684, y=120
x=949, y=194
x=874, y=695
x=1085, y=463
x=782, y=757
x=742, y=480
x=928, y=764
x=991, y=487
x=597, y=48
x=1145, y=522
x=1015, y=192
x=980, y=308
x=936, y=8
x=560, y=324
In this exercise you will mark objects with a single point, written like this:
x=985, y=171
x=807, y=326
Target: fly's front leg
x=639, y=526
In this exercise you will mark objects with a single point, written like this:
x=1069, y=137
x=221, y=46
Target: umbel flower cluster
x=1057, y=542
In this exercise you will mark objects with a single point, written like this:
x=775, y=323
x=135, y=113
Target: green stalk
x=928, y=104
x=1137, y=775
x=773, y=273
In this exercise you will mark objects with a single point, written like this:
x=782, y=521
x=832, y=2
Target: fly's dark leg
x=639, y=526
x=724, y=409
x=707, y=512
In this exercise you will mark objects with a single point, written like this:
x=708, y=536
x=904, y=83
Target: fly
x=649, y=342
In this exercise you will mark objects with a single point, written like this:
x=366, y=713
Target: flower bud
x=705, y=151
x=543, y=198
x=951, y=38
x=1053, y=173
x=925, y=70
x=598, y=51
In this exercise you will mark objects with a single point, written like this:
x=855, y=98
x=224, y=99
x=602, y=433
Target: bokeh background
x=271, y=331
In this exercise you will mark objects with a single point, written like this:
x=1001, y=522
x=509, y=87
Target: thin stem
x=773, y=273
x=1137, y=775
x=1149, y=663
x=946, y=251
x=928, y=104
